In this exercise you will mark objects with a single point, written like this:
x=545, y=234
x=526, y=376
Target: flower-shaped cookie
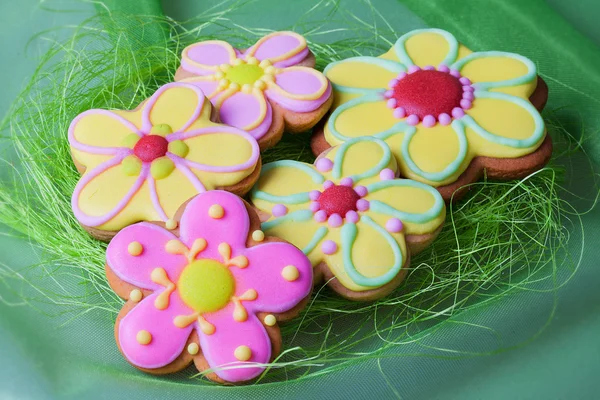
x=262, y=88
x=142, y=165
x=439, y=106
x=212, y=294
x=350, y=215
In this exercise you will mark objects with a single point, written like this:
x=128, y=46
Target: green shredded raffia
x=503, y=237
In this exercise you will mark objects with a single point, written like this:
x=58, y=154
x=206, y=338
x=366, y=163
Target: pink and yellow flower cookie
x=142, y=165
x=209, y=291
x=263, y=90
x=351, y=216
x=448, y=114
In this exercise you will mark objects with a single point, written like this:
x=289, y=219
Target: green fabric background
x=51, y=356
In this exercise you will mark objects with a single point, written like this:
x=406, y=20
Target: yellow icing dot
x=242, y=353
x=219, y=75
x=143, y=337
x=246, y=88
x=161, y=129
x=206, y=285
x=270, y=320
x=179, y=148
x=224, y=67
x=193, y=348
x=216, y=211
x=130, y=140
x=252, y=60
x=135, y=248
x=161, y=167
x=265, y=63
x=131, y=165
x=171, y=224
x=135, y=295
x=238, y=61
x=290, y=273
x=260, y=85
x=258, y=236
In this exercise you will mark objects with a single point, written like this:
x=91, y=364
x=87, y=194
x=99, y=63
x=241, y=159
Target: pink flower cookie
x=142, y=165
x=350, y=215
x=265, y=89
x=210, y=292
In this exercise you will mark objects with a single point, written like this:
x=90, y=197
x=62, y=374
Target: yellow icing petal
x=356, y=73
x=427, y=48
x=179, y=148
x=161, y=168
x=174, y=107
x=365, y=119
x=131, y=165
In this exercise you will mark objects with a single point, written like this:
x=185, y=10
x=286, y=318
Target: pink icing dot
x=335, y=220
x=393, y=83
x=324, y=164
x=458, y=112
x=314, y=195
x=412, y=120
x=466, y=104
x=279, y=210
x=465, y=81
x=413, y=68
x=329, y=247
x=391, y=103
x=468, y=96
x=352, y=216
x=468, y=89
x=444, y=119
x=327, y=184
x=314, y=206
x=393, y=225
x=361, y=191
x=320, y=216
x=429, y=121
x=443, y=68
x=347, y=181
x=429, y=68
x=401, y=75
x=455, y=73
x=362, y=205
x=388, y=93
x=386, y=174
x=399, y=112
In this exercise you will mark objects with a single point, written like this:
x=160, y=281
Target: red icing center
x=338, y=200
x=151, y=147
x=428, y=93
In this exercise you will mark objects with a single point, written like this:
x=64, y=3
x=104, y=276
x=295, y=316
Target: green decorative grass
x=502, y=238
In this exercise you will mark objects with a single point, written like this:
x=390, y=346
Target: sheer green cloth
x=48, y=356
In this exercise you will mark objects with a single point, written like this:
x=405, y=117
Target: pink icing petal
x=209, y=88
x=219, y=348
x=168, y=341
x=445, y=119
x=361, y=191
x=314, y=194
x=232, y=228
x=147, y=120
x=207, y=54
x=352, y=216
x=136, y=270
x=279, y=44
x=347, y=181
x=295, y=105
x=399, y=113
x=362, y=205
x=320, y=216
x=90, y=220
x=263, y=274
x=335, y=220
x=76, y=144
x=241, y=110
x=387, y=174
x=324, y=165
x=301, y=81
x=220, y=129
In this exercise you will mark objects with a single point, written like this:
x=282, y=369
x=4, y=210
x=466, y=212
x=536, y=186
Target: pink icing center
x=151, y=147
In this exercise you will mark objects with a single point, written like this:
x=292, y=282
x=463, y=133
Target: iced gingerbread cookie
x=210, y=291
x=350, y=215
x=142, y=165
x=448, y=114
x=265, y=89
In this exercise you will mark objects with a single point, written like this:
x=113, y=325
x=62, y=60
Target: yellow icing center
x=244, y=74
x=206, y=285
